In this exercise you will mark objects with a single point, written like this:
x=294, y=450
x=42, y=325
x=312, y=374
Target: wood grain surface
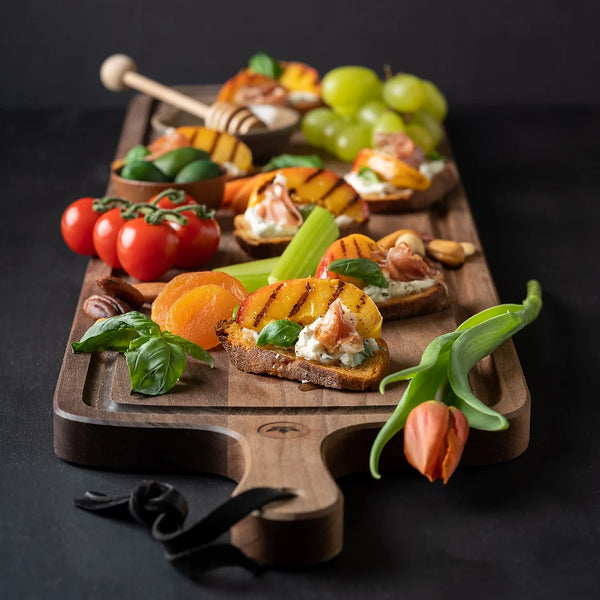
x=263, y=431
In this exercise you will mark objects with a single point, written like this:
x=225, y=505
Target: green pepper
x=142, y=170
x=172, y=162
x=198, y=171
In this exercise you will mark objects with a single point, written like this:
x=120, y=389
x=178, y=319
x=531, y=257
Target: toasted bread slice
x=404, y=200
x=281, y=362
x=427, y=301
x=260, y=247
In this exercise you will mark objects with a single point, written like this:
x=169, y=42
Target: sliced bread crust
x=280, y=362
x=404, y=200
x=258, y=247
x=427, y=301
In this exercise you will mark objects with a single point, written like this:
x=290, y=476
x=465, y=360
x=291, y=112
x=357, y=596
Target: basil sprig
x=368, y=175
x=443, y=372
x=156, y=360
x=294, y=160
x=360, y=268
x=434, y=155
x=281, y=333
x=263, y=64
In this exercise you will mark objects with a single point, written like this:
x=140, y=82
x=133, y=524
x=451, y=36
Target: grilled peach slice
x=244, y=78
x=299, y=77
x=222, y=147
x=391, y=169
x=351, y=246
x=303, y=300
x=308, y=185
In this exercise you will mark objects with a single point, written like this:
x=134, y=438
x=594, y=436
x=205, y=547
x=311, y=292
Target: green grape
x=351, y=140
x=330, y=133
x=435, y=102
x=404, y=93
x=427, y=120
x=369, y=112
x=346, y=89
x=421, y=137
x=388, y=122
x=314, y=122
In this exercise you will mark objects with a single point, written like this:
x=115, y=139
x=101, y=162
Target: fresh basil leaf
x=154, y=366
x=264, y=64
x=282, y=333
x=115, y=333
x=189, y=347
x=306, y=209
x=294, y=160
x=434, y=155
x=361, y=268
x=368, y=175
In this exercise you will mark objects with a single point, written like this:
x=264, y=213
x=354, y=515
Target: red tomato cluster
x=145, y=251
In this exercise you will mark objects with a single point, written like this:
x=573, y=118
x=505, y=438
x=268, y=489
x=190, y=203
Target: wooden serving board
x=264, y=431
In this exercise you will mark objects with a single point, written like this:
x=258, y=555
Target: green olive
x=172, y=162
x=142, y=170
x=198, y=171
x=138, y=152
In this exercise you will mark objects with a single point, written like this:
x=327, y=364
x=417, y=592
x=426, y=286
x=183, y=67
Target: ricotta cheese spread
x=310, y=348
x=233, y=170
x=379, y=188
x=344, y=220
x=430, y=168
x=397, y=288
x=301, y=97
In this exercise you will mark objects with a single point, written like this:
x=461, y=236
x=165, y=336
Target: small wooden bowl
x=281, y=123
x=208, y=191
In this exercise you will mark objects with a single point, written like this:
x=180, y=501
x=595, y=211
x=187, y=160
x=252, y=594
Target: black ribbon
x=163, y=509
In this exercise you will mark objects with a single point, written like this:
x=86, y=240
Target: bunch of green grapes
x=361, y=106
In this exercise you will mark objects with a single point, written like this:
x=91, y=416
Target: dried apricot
x=186, y=282
x=194, y=314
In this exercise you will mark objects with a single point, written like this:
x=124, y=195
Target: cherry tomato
x=168, y=204
x=198, y=240
x=77, y=226
x=146, y=251
x=106, y=232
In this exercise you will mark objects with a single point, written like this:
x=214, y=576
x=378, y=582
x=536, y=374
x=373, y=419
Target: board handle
x=287, y=455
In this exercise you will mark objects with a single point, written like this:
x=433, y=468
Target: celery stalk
x=253, y=274
x=301, y=258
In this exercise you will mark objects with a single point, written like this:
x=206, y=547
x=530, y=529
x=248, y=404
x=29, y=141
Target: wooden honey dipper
x=119, y=72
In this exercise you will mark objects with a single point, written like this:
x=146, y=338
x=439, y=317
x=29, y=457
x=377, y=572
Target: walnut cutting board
x=264, y=431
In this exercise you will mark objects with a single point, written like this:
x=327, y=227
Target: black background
x=522, y=81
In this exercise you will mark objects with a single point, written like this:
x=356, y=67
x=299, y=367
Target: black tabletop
x=529, y=528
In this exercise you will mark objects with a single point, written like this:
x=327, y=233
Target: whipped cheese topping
x=233, y=170
x=430, y=168
x=397, y=288
x=344, y=220
x=301, y=97
x=372, y=188
x=310, y=348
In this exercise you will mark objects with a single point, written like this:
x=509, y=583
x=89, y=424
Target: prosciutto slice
x=403, y=265
x=400, y=146
x=267, y=93
x=277, y=206
x=337, y=330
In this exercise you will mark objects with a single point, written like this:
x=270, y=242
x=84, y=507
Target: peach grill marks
x=268, y=303
x=300, y=301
